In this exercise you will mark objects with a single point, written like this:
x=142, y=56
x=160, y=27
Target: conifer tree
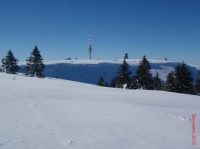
x=123, y=75
x=143, y=76
x=35, y=66
x=170, y=82
x=106, y=84
x=101, y=81
x=183, y=79
x=178, y=79
x=126, y=56
x=135, y=84
x=157, y=84
x=9, y=63
x=197, y=84
x=113, y=82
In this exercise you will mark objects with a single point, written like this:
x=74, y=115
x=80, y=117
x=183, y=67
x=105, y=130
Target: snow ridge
x=89, y=71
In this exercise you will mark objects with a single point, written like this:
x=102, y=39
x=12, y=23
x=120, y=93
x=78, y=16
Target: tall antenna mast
x=90, y=45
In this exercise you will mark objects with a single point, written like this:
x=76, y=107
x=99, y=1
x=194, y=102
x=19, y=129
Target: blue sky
x=60, y=28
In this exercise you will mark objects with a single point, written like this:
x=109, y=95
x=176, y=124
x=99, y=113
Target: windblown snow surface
x=89, y=71
x=59, y=114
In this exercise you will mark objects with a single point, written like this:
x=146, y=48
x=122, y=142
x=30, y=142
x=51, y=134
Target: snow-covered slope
x=59, y=114
x=89, y=71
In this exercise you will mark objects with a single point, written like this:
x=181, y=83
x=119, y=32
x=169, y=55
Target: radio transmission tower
x=90, y=45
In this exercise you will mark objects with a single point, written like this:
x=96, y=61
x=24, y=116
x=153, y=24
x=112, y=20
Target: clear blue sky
x=60, y=28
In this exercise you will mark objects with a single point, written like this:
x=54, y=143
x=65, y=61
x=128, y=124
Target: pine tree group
x=35, y=66
x=180, y=80
x=9, y=63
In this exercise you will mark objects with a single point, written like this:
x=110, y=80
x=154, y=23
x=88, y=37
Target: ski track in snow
x=171, y=115
x=161, y=113
x=164, y=114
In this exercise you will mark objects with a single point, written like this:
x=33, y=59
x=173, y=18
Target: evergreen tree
x=113, y=82
x=187, y=80
x=135, y=84
x=126, y=56
x=178, y=79
x=35, y=64
x=101, y=81
x=157, y=84
x=183, y=79
x=170, y=82
x=197, y=84
x=123, y=75
x=9, y=63
x=106, y=84
x=143, y=76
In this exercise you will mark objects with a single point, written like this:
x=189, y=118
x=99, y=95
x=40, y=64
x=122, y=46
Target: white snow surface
x=59, y=114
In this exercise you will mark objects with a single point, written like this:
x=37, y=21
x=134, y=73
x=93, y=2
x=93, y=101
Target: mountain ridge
x=89, y=71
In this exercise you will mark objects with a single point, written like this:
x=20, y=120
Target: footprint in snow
x=71, y=143
x=182, y=118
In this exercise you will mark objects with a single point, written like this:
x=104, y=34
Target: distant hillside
x=89, y=71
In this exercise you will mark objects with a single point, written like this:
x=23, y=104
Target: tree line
x=34, y=64
x=180, y=80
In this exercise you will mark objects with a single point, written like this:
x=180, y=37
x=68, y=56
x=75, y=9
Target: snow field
x=53, y=113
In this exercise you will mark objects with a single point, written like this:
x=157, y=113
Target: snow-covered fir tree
x=35, y=66
x=9, y=63
x=170, y=82
x=157, y=83
x=123, y=76
x=143, y=77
